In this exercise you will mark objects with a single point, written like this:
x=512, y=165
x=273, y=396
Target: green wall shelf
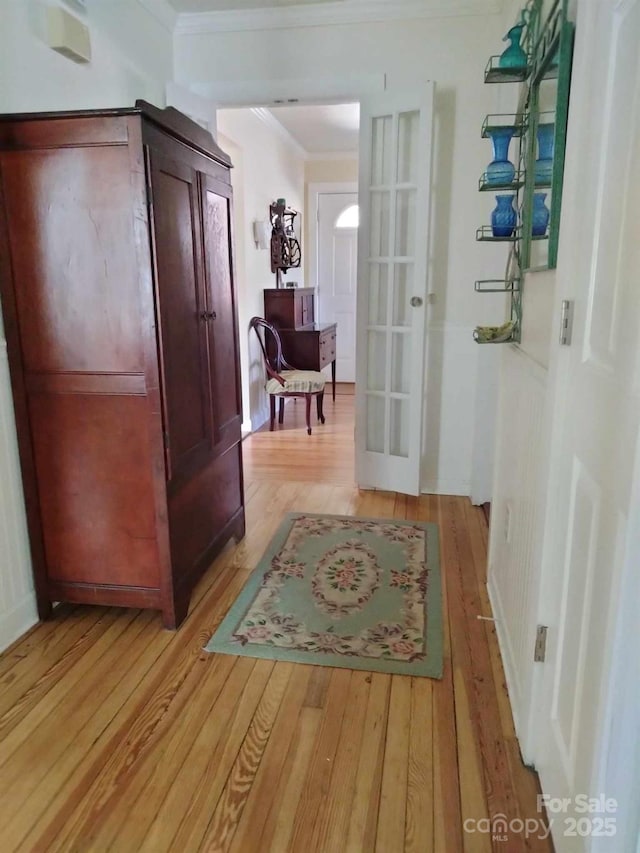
x=548, y=45
x=484, y=186
x=493, y=73
x=485, y=234
x=497, y=285
x=499, y=121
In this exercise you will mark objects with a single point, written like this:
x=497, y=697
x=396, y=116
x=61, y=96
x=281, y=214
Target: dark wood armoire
x=117, y=287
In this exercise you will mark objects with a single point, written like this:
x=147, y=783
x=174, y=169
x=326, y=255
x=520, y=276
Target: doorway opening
x=303, y=154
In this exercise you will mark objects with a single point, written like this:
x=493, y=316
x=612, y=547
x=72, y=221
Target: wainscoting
x=17, y=598
x=515, y=541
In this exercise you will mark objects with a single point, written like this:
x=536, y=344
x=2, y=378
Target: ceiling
x=226, y=5
x=322, y=129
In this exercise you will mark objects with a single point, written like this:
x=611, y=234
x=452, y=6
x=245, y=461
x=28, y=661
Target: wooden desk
x=311, y=347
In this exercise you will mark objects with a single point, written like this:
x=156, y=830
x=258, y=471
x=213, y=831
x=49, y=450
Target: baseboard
x=17, y=621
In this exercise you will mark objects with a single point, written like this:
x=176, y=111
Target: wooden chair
x=283, y=380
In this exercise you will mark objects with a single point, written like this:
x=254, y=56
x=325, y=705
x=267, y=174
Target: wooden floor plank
x=447, y=827
x=312, y=799
x=419, y=822
x=87, y=715
x=186, y=810
x=366, y=797
x=471, y=659
x=250, y=830
x=223, y=824
x=332, y=828
x=116, y=735
x=277, y=831
x=395, y=771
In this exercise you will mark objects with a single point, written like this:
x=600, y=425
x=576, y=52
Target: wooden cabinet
x=117, y=288
x=311, y=348
x=306, y=345
x=289, y=308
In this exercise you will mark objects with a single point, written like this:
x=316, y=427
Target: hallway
x=117, y=735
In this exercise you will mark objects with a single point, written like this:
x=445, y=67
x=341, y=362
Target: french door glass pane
x=376, y=360
x=405, y=222
x=380, y=224
x=399, y=427
x=402, y=289
x=381, y=151
x=375, y=424
x=408, y=135
x=400, y=363
x=378, y=287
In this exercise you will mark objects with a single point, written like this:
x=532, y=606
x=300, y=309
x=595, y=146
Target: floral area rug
x=342, y=591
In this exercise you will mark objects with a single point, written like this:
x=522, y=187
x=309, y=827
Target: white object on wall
x=67, y=35
x=261, y=233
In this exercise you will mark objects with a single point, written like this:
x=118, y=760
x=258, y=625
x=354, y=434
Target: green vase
x=514, y=56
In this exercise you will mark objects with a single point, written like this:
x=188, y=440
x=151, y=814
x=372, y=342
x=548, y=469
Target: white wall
x=452, y=51
x=266, y=167
x=132, y=58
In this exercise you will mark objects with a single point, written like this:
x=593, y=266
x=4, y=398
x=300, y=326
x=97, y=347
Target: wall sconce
x=261, y=233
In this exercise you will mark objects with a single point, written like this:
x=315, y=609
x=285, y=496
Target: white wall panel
x=516, y=522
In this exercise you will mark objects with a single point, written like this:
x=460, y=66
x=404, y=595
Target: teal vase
x=514, y=56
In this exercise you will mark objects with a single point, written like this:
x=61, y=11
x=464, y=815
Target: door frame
x=314, y=191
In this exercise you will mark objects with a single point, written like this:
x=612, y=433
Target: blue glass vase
x=500, y=171
x=514, y=56
x=504, y=216
x=540, y=215
x=543, y=169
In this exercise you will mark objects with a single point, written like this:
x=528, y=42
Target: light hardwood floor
x=118, y=735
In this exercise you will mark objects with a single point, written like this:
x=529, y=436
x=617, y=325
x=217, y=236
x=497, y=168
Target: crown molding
x=162, y=12
x=268, y=118
x=326, y=14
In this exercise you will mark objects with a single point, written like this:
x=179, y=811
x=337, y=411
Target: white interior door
x=337, y=272
x=596, y=422
x=393, y=240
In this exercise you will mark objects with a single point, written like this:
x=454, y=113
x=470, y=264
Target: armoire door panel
x=184, y=357
x=95, y=488
x=203, y=507
x=223, y=340
x=71, y=240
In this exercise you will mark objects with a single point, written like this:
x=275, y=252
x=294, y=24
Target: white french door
x=596, y=431
x=393, y=240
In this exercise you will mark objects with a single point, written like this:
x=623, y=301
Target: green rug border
x=432, y=667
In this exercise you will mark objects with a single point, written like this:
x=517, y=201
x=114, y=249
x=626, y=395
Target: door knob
x=208, y=315
x=416, y=301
